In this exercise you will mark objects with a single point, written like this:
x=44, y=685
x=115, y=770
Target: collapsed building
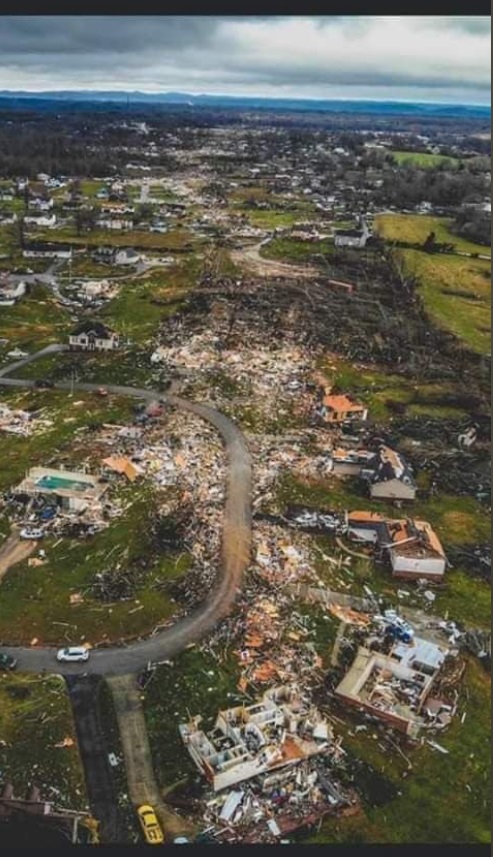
x=280, y=730
x=397, y=687
x=411, y=546
x=271, y=767
x=73, y=491
x=389, y=476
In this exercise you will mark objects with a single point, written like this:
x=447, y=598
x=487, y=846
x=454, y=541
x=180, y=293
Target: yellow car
x=150, y=825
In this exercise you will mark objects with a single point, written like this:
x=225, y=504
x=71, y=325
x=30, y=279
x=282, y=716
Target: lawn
x=179, y=239
x=68, y=414
x=422, y=159
x=456, y=294
x=456, y=520
x=35, y=716
x=90, y=187
x=270, y=219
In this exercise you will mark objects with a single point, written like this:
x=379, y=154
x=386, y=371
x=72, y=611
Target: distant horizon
x=237, y=95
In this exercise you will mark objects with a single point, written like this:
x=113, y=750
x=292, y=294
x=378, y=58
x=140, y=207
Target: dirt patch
x=14, y=550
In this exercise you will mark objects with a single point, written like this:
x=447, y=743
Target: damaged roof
x=388, y=464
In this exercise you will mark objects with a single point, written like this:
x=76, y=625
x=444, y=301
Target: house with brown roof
x=339, y=408
x=412, y=547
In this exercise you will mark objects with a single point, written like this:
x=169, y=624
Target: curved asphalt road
x=235, y=549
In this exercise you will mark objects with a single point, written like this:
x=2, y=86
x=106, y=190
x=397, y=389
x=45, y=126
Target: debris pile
x=271, y=767
x=23, y=423
x=408, y=682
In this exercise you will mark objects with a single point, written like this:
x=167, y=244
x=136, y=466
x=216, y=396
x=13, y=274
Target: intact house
x=72, y=490
x=396, y=687
x=114, y=223
x=412, y=547
x=40, y=203
x=281, y=730
x=45, y=250
x=41, y=219
x=352, y=237
x=93, y=336
x=10, y=293
x=389, y=476
x=340, y=408
x=8, y=218
x=126, y=256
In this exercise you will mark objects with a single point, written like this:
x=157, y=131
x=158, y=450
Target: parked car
x=44, y=383
x=32, y=533
x=74, y=654
x=150, y=825
x=7, y=662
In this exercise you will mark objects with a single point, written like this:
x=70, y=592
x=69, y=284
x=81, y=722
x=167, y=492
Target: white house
x=389, y=476
x=9, y=295
x=414, y=550
x=8, y=218
x=41, y=250
x=352, y=237
x=39, y=203
x=126, y=256
x=114, y=223
x=48, y=220
x=94, y=336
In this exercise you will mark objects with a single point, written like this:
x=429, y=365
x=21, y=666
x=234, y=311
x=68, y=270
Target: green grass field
x=34, y=321
x=422, y=159
x=456, y=290
x=416, y=227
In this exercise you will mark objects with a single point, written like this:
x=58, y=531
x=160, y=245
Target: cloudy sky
x=418, y=58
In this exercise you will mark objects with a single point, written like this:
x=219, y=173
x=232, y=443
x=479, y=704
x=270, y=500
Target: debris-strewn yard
x=37, y=602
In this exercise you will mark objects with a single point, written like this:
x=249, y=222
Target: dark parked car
x=7, y=662
x=44, y=383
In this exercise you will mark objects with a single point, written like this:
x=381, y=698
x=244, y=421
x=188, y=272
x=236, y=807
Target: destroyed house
x=74, y=491
x=93, y=336
x=349, y=462
x=366, y=526
x=414, y=549
x=394, y=687
x=279, y=731
x=389, y=476
x=339, y=408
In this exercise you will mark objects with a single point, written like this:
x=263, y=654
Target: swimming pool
x=54, y=482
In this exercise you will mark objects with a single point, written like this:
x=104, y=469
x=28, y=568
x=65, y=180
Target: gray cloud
x=317, y=57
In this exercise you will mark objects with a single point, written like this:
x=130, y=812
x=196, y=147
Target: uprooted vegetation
x=382, y=320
